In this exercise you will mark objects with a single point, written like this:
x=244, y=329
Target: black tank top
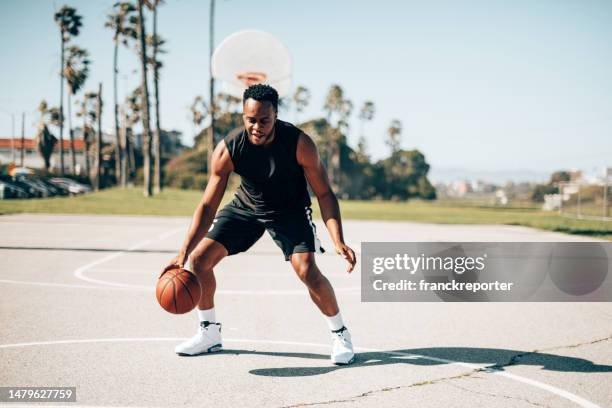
x=272, y=181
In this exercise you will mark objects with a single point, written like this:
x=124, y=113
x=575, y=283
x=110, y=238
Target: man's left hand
x=347, y=253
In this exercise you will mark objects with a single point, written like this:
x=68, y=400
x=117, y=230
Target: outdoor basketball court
x=78, y=309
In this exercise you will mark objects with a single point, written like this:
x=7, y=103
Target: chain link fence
x=585, y=201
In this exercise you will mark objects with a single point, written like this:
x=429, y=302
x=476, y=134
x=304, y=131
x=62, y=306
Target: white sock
x=207, y=315
x=334, y=322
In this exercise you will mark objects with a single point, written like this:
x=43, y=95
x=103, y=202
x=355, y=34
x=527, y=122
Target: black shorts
x=238, y=229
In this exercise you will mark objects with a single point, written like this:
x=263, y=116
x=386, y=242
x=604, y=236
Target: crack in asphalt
x=498, y=395
x=497, y=367
x=385, y=389
x=580, y=344
x=515, y=358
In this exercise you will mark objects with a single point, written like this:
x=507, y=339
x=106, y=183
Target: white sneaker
x=206, y=340
x=342, y=347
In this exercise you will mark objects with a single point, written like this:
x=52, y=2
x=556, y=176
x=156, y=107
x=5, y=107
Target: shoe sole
x=212, y=349
x=338, y=363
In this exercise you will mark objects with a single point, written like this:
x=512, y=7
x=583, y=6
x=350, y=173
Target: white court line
x=142, y=288
x=546, y=387
x=58, y=285
x=242, y=274
x=79, y=274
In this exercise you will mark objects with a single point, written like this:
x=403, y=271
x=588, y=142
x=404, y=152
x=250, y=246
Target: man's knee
x=200, y=263
x=308, y=272
x=204, y=259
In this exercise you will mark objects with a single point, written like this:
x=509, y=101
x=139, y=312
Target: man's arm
x=221, y=167
x=308, y=158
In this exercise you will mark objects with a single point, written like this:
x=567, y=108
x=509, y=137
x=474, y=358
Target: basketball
x=178, y=291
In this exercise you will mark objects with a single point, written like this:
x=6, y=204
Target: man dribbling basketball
x=274, y=160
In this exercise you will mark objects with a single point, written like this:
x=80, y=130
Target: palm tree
x=393, y=136
x=366, y=114
x=45, y=140
x=156, y=42
x=226, y=103
x=146, y=130
x=132, y=115
x=346, y=108
x=199, y=111
x=126, y=147
x=98, y=161
x=211, y=95
x=88, y=112
x=301, y=98
x=119, y=20
x=75, y=72
x=69, y=23
x=362, y=150
x=333, y=101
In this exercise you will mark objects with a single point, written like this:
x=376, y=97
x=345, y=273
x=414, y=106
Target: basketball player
x=274, y=159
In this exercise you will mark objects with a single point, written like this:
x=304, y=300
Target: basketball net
x=251, y=78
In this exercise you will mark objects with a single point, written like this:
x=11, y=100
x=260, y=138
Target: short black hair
x=261, y=93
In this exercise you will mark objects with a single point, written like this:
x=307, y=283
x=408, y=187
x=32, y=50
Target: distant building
x=10, y=152
x=552, y=202
x=501, y=197
x=461, y=188
x=575, y=176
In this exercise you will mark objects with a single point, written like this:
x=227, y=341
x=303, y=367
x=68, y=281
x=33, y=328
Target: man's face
x=259, y=118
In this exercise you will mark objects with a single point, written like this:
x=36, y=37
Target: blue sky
x=478, y=85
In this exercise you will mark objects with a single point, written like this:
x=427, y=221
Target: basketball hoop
x=252, y=57
x=252, y=78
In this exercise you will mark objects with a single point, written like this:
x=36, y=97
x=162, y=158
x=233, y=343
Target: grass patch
x=174, y=202
x=114, y=201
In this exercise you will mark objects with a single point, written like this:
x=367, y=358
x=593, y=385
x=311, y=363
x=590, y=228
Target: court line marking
x=151, y=289
x=79, y=273
x=543, y=386
x=289, y=274
x=58, y=285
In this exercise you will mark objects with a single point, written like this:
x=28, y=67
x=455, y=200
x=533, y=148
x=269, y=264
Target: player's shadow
x=493, y=359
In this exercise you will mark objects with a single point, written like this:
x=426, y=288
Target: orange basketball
x=178, y=291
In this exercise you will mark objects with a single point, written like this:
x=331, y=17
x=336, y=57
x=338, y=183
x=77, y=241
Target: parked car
x=59, y=189
x=72, y=186
x=32, y=191
x=10, y=190
x=53, y=189
x=35, y=184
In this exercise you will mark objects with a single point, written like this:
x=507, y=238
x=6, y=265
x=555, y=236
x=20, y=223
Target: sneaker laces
x=340, y=333
x=205, y=323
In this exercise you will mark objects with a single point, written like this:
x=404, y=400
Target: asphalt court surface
x=78, y=309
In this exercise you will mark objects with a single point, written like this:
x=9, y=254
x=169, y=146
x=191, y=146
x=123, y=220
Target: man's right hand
x=176, y=263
